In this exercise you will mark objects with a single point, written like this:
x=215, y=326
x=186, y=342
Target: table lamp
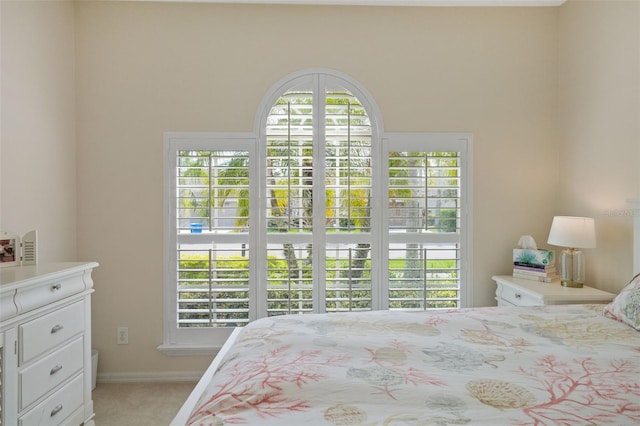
x=573, y=233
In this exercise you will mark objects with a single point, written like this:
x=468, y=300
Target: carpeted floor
x=138, y=404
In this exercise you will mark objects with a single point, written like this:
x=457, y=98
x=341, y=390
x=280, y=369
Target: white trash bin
x=94, y=368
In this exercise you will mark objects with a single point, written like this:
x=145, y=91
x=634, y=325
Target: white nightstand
x=512, y=291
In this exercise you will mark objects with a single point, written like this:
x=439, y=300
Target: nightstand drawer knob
x=56, y=328
x=518, y=296
x=55, y=369
x=56, y=286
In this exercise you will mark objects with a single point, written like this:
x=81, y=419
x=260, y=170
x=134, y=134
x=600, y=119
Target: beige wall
x=37, y=151
x=599, y=120
x=145, y=68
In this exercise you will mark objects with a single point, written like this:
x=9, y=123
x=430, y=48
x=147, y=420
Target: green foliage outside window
x=228, y=299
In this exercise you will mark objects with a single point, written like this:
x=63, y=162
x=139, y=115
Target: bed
x=545, y=365
x=508, y=365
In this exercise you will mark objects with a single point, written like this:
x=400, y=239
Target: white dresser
x=45, y=344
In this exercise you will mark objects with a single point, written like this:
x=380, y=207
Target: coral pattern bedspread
x=551, y=365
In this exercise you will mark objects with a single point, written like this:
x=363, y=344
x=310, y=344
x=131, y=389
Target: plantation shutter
x=289, y=204
x=314, y=212
x=212, y=250
x=348, y=204
x=424, y=215
x=318, y=195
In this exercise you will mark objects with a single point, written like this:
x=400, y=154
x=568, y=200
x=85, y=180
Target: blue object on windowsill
x=196, y=228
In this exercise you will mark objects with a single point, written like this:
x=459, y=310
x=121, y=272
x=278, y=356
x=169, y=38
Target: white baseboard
x=152, y=377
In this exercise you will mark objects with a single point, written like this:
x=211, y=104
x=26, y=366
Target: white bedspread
x=551, y=365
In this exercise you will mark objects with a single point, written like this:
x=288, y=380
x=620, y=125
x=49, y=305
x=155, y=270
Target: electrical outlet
x=123, y=335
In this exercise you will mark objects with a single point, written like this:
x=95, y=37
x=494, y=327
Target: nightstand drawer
x=55, y=409
x=48, y=331
x=520, y=292
x=516, y=296
x=49, y=372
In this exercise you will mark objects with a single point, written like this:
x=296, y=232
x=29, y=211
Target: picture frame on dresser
x=16, y=250
x=9, y=244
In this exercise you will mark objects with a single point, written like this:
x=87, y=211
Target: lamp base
x=573, y=284
x=572, y=268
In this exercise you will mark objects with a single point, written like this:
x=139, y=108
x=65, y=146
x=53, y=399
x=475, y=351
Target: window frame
x=440, y=142
x=195, y=340
x=318, y=80
x=205, y=341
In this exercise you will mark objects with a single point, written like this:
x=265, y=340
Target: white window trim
x=189, y=341
x=442, y=141
x=317, y=78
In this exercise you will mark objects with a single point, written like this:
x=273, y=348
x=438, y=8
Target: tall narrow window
x=317, y=211
x=212, y=218
x=318, y=200
x=348, y=206
x=424, y=210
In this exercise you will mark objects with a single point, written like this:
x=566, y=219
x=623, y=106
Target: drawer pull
x=56, y=410
x=56, y=328
x=56, y=287
x=55, y=369
x=518, y=295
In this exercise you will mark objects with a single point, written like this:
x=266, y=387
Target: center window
x=318, y=203
x=318, y=211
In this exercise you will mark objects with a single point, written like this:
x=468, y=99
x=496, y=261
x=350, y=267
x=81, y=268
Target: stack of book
x=545, y=274
x=535, y=265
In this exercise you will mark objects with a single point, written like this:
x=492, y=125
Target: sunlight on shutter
x=212, y=204
x=424, y=276
x=213, y=286
x=212, y=191
x=424, y=191
x=290, y=164
x=348, y=278
x=318, y=209
x=289, y=284
x=289, y=207
x=348, y=164
x=348, y=186
x=424, y=200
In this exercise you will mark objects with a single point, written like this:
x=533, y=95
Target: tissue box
x=542, y=258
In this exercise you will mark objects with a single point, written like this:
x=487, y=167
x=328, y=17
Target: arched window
x=318, y=211
x=319, y=148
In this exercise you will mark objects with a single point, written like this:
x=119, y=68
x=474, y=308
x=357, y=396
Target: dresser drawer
x=47, y=373
x=516, y=296
x=48, y=292
x=8, y=307
x=45, y=333
x=502, y=302
x=58, y=407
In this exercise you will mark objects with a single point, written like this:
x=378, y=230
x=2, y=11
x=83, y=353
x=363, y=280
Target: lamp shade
x=574, y=232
